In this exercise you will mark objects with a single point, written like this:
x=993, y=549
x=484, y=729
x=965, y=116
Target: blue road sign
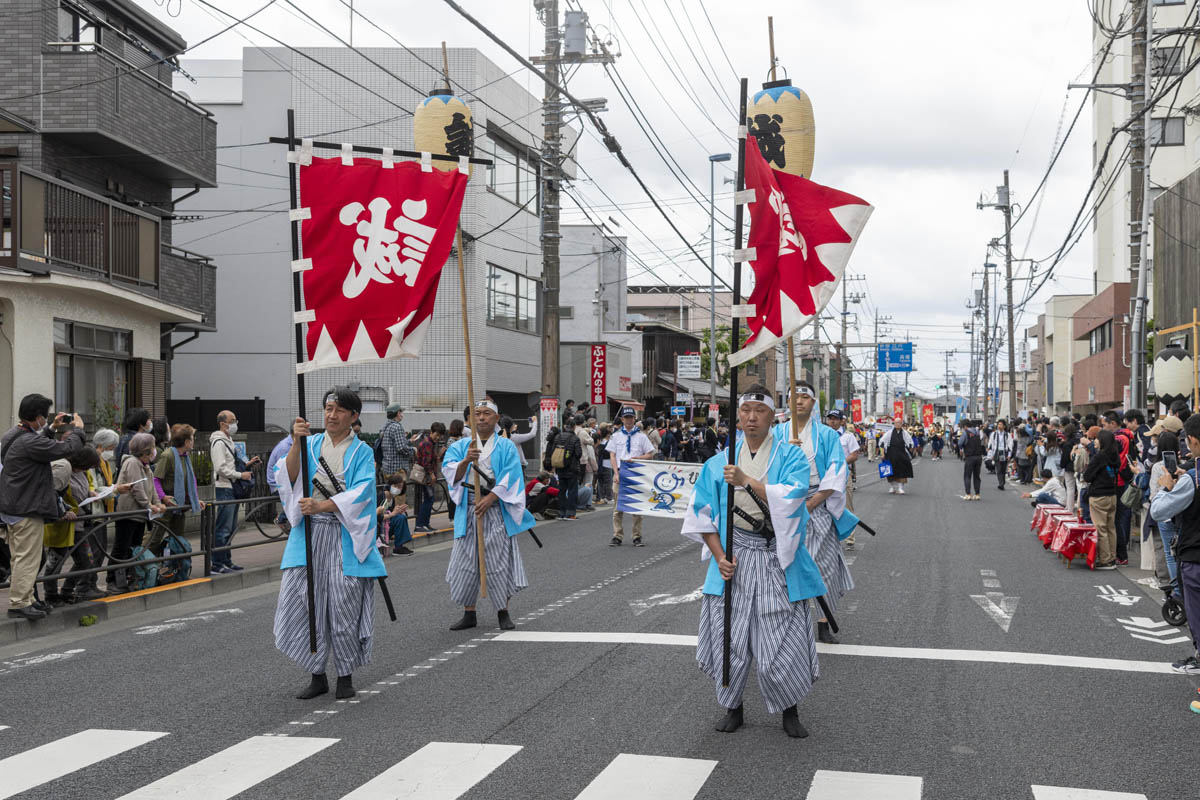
x=894, y=357
x=678, y=411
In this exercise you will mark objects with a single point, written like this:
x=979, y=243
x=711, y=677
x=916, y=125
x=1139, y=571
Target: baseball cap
x=1167, y=423
x=393, y=408
x=836, y=413
x=628, y=412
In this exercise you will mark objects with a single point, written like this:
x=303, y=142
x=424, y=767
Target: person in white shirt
x=1052, y=491
x=627, y=443
x=1000, y=445
x=837, y=420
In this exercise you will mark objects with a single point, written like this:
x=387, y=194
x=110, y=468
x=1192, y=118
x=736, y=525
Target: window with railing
x=65, y=226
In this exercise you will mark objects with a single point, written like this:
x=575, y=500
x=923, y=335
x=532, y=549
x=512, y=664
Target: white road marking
x=1119, y=596
x=634, y=777
x=641, y=606
x=234, y=769
x=1149, y=630
x=919, y=653
x=182, y=622
x=438, y=771
x=3, y=727
x=66, y=755
x=831, y=785
x=32, y=661
x=1067, y=793
x=998, y=607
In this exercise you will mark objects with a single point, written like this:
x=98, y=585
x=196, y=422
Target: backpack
x=241, y=487
x=174, y=571
x=560, y=458
x=378, y=448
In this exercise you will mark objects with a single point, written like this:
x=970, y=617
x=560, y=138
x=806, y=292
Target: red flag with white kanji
x=802, y=234
x=375, y=241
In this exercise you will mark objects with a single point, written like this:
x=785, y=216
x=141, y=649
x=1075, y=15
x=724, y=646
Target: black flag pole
x=298, y=306
x=734, y=341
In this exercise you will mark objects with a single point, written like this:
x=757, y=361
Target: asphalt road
x=199, y=703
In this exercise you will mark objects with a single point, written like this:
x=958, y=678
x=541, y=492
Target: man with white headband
x=828, y=520
x=500, y=512
x=773, y=575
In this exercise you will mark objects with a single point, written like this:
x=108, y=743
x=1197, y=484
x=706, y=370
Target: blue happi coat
x=787, y=489
x=509, y=489
x=832, y=469
x=355, y=509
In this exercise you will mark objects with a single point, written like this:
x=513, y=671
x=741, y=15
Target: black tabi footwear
x=791, y=724
x=467, y=621
x=731, y=721
x=506, y=623
x=345, y=689
x=318, y=686
x=825, y=634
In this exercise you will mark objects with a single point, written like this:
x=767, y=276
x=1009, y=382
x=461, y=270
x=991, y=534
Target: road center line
x=920, y=653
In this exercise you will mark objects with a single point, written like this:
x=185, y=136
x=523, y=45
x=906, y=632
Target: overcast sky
x=919, y=108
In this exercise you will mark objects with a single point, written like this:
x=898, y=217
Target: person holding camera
x=27, y=495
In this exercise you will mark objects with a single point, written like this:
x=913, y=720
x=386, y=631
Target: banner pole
x=298, y=306
x=462, y=296
x=734, y=343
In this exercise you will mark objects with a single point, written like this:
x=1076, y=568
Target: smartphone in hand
x=1170, y=462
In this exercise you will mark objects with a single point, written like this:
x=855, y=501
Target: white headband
x=487, y=404
x=765, y=399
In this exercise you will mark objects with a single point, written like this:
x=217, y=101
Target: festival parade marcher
x=828, y=520
x=500, y=511
x=772, y=572
x=340, y=502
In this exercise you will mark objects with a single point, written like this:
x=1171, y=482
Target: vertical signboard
x=547, y=419
x=898, y=410
x=856, y=409
x=927, y=415
x=599, y=380
x=713, y=410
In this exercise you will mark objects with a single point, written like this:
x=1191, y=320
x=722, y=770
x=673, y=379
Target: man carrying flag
x=499, y=511
x=773, y=571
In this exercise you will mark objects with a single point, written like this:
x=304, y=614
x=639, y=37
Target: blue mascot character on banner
x=665, y=484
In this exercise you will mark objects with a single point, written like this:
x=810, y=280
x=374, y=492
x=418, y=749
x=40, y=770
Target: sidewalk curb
x=67, y=617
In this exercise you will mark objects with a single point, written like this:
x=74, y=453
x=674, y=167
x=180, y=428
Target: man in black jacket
x=27, y=496
x=972, y=449
x=568, y=469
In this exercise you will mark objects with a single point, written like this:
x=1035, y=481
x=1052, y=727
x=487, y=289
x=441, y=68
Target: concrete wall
x=591, y=271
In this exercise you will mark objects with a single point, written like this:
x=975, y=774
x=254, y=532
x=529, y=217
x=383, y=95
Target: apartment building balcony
x=99, y=102
x=51, y=227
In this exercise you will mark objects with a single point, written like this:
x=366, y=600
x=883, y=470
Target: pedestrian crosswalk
x=437, y=771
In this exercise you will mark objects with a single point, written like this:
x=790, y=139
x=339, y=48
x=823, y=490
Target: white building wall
x=1060, y=347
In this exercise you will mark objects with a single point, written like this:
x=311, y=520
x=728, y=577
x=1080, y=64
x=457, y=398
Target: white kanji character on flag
x=377, y=252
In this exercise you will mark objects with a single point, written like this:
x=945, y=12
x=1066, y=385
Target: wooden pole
x=1195, y=360
x=734, y=343
x=466, y=323
x=771, y=39
x=791, y=398
x=297, y=306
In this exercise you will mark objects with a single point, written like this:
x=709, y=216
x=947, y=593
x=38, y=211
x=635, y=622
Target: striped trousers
x=822, y=544
x=765, y=625
x=345, y=607
x=505, y=569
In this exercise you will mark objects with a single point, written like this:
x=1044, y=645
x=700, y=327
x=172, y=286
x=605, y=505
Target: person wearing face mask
x=143, y=497
x=175, y=480
x=27, y=492
x=222, y=452
x=393, y=511
x=105, y=440
x=137, y=420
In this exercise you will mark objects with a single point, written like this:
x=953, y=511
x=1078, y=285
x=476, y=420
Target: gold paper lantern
x=442, y=124
x=781, y=119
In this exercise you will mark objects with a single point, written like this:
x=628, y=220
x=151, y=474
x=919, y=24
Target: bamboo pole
x=771, y=38
x=462, y=296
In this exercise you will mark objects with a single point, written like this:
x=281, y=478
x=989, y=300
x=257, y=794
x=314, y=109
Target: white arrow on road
x=640, y=606
x=998, y=607
x=1149, y=630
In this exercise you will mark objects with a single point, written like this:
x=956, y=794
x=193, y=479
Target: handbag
x=1132, y=496
x=417, y=474
x=885, y=469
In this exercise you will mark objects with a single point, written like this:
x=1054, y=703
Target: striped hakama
x=777, y=632
x=822, y=543
x=345, y=606
x=505, y=570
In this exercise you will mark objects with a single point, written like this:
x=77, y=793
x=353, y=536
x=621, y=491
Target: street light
x=712, y=275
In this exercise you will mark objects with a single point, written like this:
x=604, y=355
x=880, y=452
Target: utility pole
x=1004, y=205
x=987, y=324
x=875, y=374
x=1141, y=67
x=843, y=384
x=946, y=354
x=553, y=106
